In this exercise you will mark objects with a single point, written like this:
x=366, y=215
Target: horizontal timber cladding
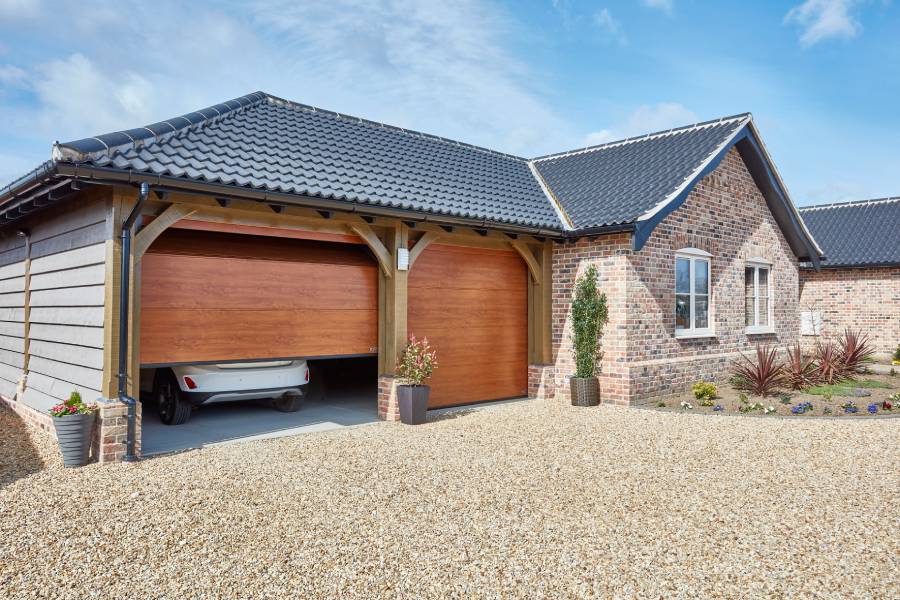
x=67, y=279
x=12, y=314
x=472, y=305
x=209, y=297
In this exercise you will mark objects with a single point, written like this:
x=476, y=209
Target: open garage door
x=216, y=297
x=472, y=305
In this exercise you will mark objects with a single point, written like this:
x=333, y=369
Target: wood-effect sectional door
x=472, y=305
x=209, y=297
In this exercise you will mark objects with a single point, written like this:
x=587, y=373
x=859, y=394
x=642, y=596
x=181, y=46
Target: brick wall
x=726, y=215
x=866, y=299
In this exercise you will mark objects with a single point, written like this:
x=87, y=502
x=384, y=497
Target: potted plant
x=589, y=315
x=74, y=424
x=417, y=362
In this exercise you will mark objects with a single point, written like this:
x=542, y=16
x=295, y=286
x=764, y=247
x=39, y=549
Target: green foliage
x=897, y=353
x=764, y=375
x=705, y=392
x=845, y=387
x=417, y=361
x=589, y=315
x=72, y=406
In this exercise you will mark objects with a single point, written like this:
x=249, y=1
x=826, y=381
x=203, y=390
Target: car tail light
x=307, y=374
x=191, y=385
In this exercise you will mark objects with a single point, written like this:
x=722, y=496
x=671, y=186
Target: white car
x=176, y=390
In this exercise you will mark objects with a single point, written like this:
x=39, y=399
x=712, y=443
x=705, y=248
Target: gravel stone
x=524, y=500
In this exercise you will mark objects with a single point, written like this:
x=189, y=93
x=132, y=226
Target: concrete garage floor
x=229, y=422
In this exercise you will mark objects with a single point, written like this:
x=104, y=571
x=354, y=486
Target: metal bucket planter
x=413, y=400
x=585, y=391
x=74, y=434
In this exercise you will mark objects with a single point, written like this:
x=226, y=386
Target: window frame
x=756, y=264
x=694, y=255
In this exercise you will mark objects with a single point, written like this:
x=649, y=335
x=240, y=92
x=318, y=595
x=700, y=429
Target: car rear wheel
x=173, y=410
x=288, y=402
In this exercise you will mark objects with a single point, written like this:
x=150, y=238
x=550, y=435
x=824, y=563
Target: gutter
x=103, y=176
x=124, y=290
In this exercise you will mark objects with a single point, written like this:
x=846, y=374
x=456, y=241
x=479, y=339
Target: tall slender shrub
x=589, y=315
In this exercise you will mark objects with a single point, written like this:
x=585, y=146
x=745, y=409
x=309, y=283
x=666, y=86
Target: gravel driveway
x=529, y=500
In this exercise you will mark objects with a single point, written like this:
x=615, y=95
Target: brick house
x=390, y=232
x=858, y=285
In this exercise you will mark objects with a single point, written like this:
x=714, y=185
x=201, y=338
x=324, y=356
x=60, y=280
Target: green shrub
x=705, y=392
x=589, y=315
x=897, y=353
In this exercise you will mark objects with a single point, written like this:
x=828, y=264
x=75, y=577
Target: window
x=758, y=297
x=692, y=289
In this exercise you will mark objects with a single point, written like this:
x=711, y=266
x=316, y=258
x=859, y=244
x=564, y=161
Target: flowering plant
x=802, y=408
x=72, y=406
x=687, y=405
x=417, y=361
x=872, y=408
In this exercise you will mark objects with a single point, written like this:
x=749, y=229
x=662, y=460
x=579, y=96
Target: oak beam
x=146, y=236
x=385, y=258
x=426, y=240
x=534, y=266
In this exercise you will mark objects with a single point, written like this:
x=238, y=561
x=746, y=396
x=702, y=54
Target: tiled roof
x=619, y=182
x=857, y=234
x=266, y=143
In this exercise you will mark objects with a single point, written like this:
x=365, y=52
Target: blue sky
x=822, y=77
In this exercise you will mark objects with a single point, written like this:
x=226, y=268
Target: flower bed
x=870, y=395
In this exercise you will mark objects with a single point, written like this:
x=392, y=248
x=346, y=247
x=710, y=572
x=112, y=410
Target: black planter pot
x=74, y=434
x=585, y=391
x=413, y=400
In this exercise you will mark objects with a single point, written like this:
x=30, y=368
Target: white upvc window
x=693, y=306
x=758, y=296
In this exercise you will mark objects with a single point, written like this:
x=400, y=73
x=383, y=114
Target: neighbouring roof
x=618, y=182
x=864, y=233
x=271, y=146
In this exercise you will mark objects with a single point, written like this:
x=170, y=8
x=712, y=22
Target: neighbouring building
x=277, y=230
x=858, y=285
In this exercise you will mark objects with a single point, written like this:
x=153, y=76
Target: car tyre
x=173, y=409
x=288, y=403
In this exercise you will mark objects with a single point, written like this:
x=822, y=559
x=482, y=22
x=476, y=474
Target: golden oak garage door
x=472, y=305
x=215, y=297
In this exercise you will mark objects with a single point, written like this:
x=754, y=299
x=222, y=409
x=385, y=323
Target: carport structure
x=277, y=230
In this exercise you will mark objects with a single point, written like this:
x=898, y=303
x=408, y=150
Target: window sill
x=695, y=334
x=759, y=330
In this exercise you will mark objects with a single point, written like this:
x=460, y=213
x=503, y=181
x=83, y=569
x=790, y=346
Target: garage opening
x=236, y=326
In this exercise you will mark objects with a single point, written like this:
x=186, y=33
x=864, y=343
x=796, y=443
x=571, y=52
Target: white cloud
x=19, y=9
x=667, y=6
x=644, y=119
x=12, y=76
x=610, y=26
x=824, y=19
x=442, y=68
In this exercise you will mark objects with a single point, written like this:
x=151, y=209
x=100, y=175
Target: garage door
x=218, y=297
x=472, y=305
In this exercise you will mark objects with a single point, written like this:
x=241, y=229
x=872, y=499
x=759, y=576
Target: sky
x=821, y=77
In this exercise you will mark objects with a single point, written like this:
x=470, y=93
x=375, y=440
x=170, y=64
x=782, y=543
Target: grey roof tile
x=856, y=234
x=267, y=143
x=616, y=183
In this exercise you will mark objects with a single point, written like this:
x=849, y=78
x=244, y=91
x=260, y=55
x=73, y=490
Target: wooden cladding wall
x=66, y=301
x=12, y=316
x=472, y=305
x=209, y=297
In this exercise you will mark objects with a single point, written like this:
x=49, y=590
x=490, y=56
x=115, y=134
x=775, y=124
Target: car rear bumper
x=197, y=398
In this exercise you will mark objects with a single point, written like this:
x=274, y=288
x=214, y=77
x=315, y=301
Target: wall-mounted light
x=22, y=232
x=402, y=259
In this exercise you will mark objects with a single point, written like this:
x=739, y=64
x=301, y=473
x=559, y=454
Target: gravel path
x=523, y=500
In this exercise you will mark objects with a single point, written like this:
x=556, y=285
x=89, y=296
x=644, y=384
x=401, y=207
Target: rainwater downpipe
x=124, y=294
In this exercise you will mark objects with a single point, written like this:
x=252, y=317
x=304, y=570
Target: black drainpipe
x=123, y=322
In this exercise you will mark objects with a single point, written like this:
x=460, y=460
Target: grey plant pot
x=413, y=400
x=585, y=391
x=74, y=434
